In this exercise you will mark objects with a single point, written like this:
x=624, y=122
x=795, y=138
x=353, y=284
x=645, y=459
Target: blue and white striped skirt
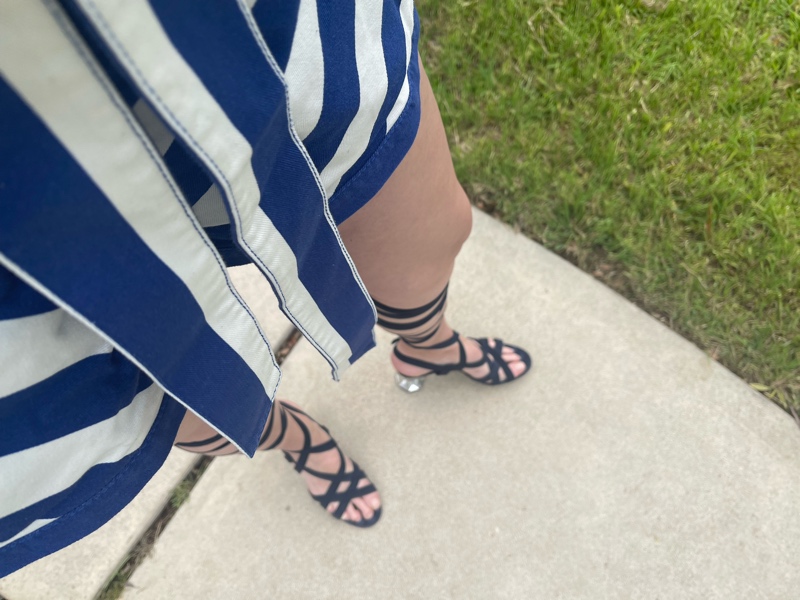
x=144, y=147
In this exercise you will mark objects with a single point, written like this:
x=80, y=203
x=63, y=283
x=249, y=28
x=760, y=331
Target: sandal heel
x=409, y=384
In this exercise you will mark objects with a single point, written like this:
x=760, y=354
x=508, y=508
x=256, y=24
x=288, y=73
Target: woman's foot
x=487, y=360
x=427, y=344
x=332, y=478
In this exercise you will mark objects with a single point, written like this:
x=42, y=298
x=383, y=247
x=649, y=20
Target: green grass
x=656, y=144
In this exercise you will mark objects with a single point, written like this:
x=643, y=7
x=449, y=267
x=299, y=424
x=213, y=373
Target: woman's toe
x=351, y=514
x=363, y=509
x=374, y=500
x=518, y=368
x=514, y=361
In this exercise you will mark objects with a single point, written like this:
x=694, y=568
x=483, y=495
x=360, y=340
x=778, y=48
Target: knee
x=452, y=226
x=462, y=218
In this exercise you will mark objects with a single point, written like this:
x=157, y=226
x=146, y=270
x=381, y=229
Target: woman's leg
x=404, y=243
x=285, y=431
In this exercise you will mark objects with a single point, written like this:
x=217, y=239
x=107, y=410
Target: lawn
x=654, y=143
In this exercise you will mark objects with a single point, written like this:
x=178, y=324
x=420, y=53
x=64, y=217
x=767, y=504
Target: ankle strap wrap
x=414, y=325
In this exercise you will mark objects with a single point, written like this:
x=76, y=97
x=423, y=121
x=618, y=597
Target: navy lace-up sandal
x=351, y=478
x=492, y=357
x=418, y=325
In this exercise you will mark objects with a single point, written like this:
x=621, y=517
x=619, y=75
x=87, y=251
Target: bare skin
x=405, y=240
x=193, y=429
x=404, y=243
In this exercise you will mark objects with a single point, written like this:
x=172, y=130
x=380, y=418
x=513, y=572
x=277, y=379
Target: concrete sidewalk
x=627, y=465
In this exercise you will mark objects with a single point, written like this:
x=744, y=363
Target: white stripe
x=29, y=529
x=24, y=276
x=372, y=83
x=31, y=475
x=313, y=170
x=407, y=17
x=36, y=347
x=210, y=209
x=189, y=109
x=102, y=141
x=161, y=137
x=305, y=71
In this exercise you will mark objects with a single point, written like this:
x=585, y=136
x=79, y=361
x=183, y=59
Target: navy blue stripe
x=235, y=71
x=100, y=52
x=222, y=238
x=18, y=299
x=61, y=230
x=63, y=502
x=394, y=52
x=188, y=174
x=90, y=391
x=353, y=193
x=190, y=177
x=277, y=20
x=214, y=38
x=341, y=94
x=100, y=494
x=300, y=220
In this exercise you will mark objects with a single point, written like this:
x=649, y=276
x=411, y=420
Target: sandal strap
x=405, y=313
x=498, y=363
x=420, y=339
x=492, y=357
x=348, y=494
x=351, y=478
x=453, y=339
x=439, y=369
x=415, y=325
x=268, y=430
x=307, y=448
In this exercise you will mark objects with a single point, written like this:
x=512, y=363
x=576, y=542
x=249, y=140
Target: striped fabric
x=144, y=147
